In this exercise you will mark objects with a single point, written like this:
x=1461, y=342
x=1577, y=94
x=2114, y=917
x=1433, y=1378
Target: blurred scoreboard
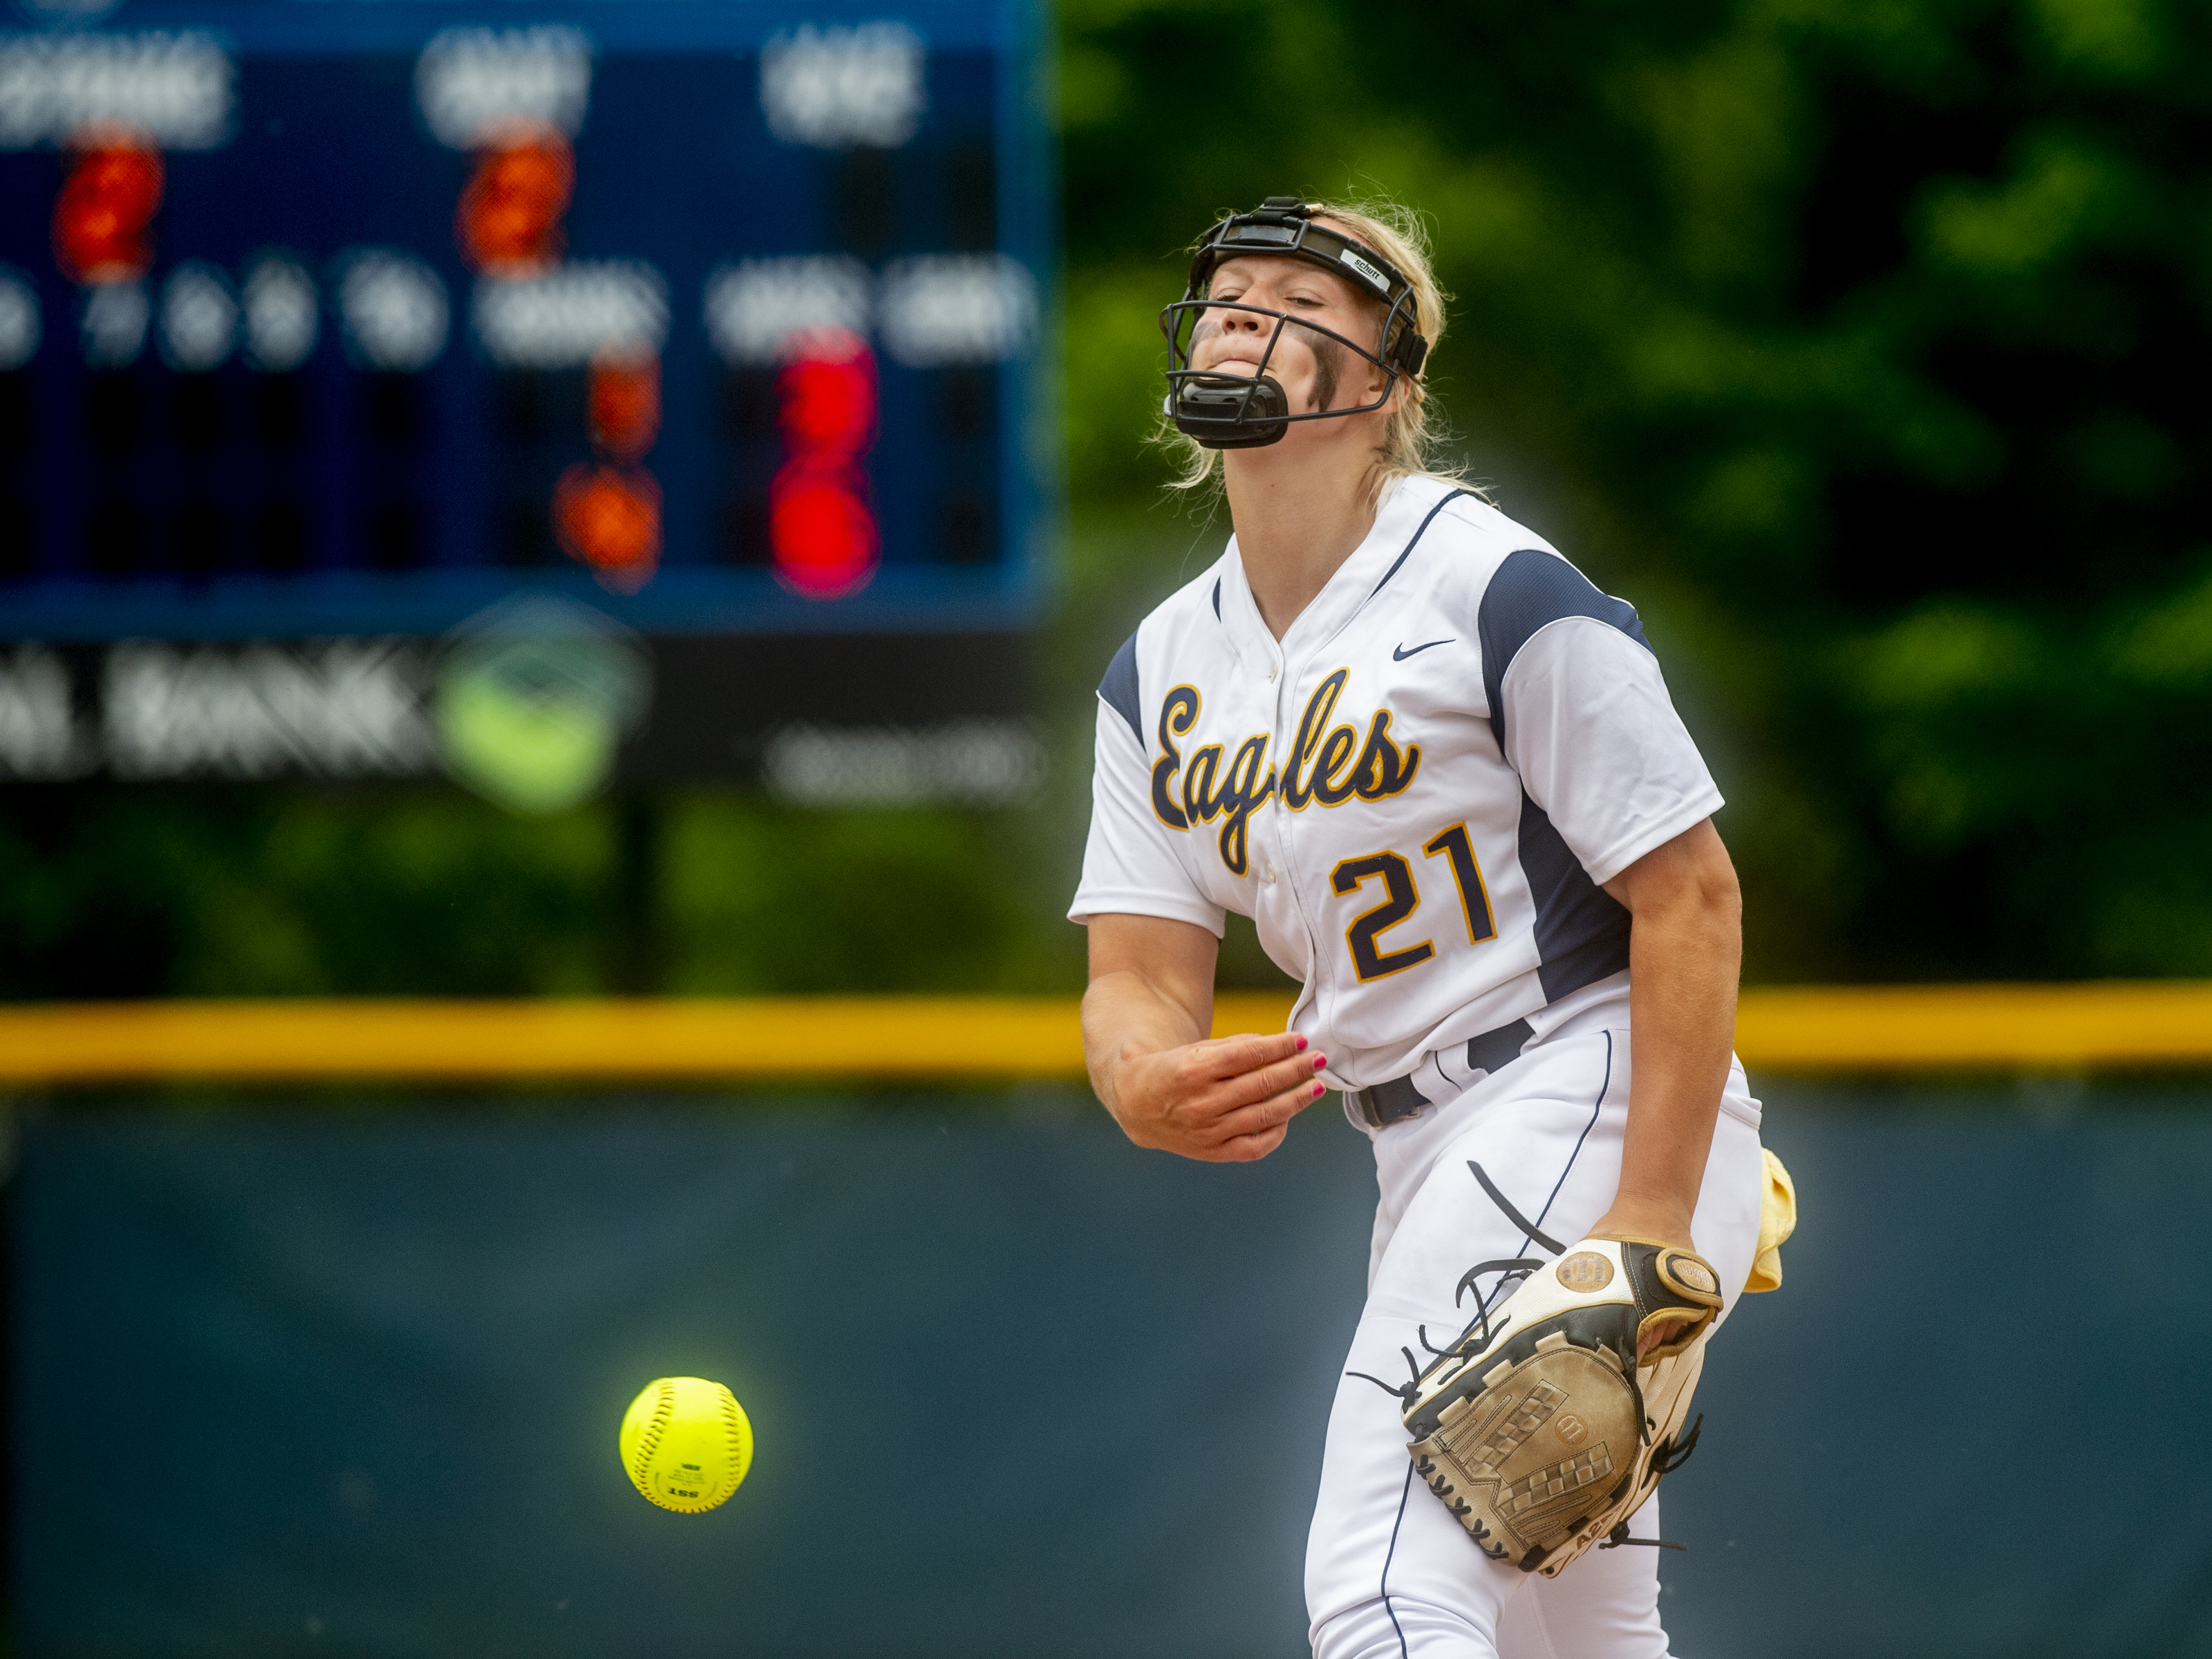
x=683, y=363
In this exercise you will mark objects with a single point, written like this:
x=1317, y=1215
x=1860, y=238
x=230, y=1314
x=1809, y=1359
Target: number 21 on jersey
x=1401, y=897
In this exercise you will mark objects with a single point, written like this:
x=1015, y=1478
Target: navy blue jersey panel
x=1119, y=687
x=1532, y=590
x=1582, y=931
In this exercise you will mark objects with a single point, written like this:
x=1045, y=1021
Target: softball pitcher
x=1442, y=773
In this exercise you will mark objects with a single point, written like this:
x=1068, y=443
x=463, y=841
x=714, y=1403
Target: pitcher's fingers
x=1233, y=1056
x=1269, y=1113
x=1257, y=1085
x=1663, y=1330
x=1248, y=1149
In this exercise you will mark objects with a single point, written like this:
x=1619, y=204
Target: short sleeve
x=1590, y=727
x=1130, y=865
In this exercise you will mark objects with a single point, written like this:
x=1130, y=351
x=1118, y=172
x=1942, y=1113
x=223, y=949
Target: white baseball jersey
x=1416, y=793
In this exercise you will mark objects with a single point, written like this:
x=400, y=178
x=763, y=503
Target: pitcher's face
x=1316, y=373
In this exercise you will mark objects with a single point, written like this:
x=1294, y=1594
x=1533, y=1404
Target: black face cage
x=1236, y=411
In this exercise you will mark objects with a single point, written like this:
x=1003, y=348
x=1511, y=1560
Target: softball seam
x=649, y=1442
x=732, y=1419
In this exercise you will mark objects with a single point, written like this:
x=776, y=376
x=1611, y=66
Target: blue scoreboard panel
x=718, y=328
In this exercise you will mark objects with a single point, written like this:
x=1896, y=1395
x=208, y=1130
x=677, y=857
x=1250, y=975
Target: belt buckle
x=1392, y=1102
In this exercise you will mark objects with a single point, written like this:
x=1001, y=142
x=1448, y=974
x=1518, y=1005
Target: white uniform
x=1417, y=795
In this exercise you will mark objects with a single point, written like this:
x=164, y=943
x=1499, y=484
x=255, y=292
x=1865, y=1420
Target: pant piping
x=1391, y=1555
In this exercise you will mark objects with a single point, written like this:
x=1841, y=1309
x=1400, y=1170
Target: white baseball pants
x=1390, y=1573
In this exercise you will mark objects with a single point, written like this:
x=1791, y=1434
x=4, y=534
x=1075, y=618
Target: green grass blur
x=1862, y=346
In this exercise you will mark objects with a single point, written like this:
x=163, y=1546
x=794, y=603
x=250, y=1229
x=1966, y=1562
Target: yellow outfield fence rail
x=1886, y=1029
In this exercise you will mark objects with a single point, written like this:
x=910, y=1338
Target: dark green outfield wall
x=292, y=1379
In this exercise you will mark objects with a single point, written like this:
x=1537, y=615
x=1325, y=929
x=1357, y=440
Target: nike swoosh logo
x=1401, y=653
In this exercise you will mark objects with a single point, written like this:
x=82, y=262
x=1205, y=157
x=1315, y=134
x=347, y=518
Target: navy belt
x=1398, y=1099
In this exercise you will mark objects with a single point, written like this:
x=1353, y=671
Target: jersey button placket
x=1316, y=974
x=1275, y=678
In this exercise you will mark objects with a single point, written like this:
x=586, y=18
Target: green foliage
x=754, y=898
x=290, y=891
x=133, y=891
x=1860, y=345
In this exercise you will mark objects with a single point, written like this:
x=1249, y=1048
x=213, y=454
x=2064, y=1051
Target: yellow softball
x=686, y=1443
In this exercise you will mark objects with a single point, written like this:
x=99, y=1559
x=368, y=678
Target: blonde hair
x=1413, y=436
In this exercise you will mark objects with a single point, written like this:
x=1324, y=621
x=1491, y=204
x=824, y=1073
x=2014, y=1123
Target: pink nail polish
x=1320, y=1089
x=1302, y=1045
x=1320, y=1061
